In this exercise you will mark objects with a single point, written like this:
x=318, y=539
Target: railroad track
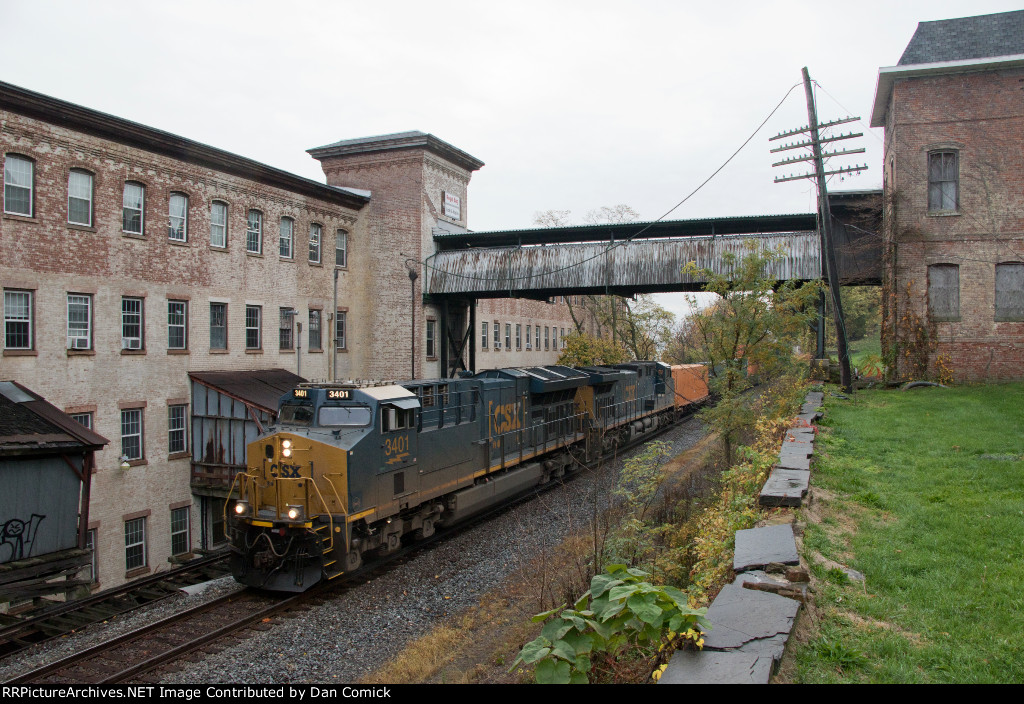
x=72, y=615
x=134, y=654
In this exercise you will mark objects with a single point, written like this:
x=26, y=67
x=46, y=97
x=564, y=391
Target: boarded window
x=1010, y=292
x=944, y=292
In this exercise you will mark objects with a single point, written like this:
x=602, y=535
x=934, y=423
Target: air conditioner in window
x=132, y=343
x=79, y=343
x=497, y=345
x=529, y=346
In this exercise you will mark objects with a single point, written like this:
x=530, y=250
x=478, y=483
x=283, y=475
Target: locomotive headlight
x=294, y=513
x=241, y=508
x=286, y=444
x=286, y=452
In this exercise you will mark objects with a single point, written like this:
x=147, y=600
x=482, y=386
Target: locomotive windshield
x=296, y=413
x=344, y=415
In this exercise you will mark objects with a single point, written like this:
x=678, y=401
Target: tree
x=582, y=350
x=754, y=321
x=639, y=325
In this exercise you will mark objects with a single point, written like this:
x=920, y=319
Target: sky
x=571, y=105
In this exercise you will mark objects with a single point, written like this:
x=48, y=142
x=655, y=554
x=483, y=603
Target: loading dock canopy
x=262, y=388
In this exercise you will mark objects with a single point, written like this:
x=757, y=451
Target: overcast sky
x=571, y=105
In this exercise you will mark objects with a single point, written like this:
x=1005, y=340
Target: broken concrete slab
x=717, y=667
x=757, y=547
x=774, y=583
x=750, y=621
x=785, y=487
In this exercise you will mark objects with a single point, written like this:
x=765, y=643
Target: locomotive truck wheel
x=425, y=530
x=353, y=560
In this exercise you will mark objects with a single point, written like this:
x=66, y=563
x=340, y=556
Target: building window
x=180, y=539
x=253, y=327
x=529, y=336
x=519, y=336
x=218, y=326
x=218, y=224
x=1010, y=292
x=287, y=237
x=537, y=338
x=497, y=335
x=943, y=181
x=80, y=197
x=19, y=181
x=563, y=338
x=131, y=324
x=133, y=208
x=177, y=213
x=944, y=292
x=131, y=433
x=176, y=438
x=314, y=243
x=508, y=336
x=339, y=330
x=484, y=335
x=18, y=320
x=554, y=338
x=177, y=325
x=341, y=249
x=254, y=232
x=547, y=340
x=315, y=342
x=431, y=331
x=79, y=322
x=135, y=543
x=285, y=339
x=90, y=544
x=84, y=419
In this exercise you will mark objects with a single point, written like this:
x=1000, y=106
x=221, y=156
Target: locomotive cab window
x=393, y=418
x=296, y=413
x=334, y=416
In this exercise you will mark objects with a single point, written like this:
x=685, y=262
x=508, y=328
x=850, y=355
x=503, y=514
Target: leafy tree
x=755, y=321
x=582, y=350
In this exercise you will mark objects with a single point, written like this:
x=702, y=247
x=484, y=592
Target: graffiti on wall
x=17, y=536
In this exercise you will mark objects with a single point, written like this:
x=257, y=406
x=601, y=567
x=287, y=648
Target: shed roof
x=262, y=387
x=961, y=38
x=29, y=422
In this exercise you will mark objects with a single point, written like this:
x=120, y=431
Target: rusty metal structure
x=626, y=259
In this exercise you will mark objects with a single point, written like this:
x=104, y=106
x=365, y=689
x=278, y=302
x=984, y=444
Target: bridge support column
x=458, y=320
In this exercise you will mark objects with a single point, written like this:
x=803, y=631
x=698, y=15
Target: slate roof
x=964, y=38
x=29, y=423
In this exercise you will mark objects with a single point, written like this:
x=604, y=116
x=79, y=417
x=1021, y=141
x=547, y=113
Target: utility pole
x=829, y=266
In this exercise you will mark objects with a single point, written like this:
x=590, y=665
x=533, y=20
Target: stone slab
x=757, y=547
x=717, y=667
x=750, y=621
x=816, y=397
x=795, y=449
x=785, y=487
x=790, y=461
x=774, y=583
x=809, y=417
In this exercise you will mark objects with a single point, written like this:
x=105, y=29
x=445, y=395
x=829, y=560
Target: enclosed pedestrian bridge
x=629, y=258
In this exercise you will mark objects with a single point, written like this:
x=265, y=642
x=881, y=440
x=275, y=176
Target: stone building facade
x=954, y=200
x=130, y=257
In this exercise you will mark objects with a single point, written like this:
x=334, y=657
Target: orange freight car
x=691, y=382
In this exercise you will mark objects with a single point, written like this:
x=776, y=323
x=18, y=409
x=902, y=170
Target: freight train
x=348, y=472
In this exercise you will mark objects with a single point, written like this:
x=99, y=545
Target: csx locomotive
x=348, y=472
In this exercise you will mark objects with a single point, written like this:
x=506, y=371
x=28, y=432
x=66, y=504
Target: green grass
x=929, y=505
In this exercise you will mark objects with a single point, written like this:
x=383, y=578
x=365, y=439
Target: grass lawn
x=923, y=493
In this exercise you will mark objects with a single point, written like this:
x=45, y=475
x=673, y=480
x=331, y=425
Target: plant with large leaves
x=620, y=612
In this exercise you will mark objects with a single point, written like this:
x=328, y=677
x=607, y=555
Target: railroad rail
x=70, y=616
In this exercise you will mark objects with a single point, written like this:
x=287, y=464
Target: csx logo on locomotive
x=504, y=417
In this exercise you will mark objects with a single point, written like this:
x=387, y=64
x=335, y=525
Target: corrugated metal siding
x=595, y=266
x=38, y=506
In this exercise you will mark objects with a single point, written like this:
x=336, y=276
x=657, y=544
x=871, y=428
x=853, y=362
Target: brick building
x=953, y=113
x=130, y=258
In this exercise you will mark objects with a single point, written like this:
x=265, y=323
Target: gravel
x=366, y=625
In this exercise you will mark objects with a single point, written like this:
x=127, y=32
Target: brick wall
x=980, y=117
